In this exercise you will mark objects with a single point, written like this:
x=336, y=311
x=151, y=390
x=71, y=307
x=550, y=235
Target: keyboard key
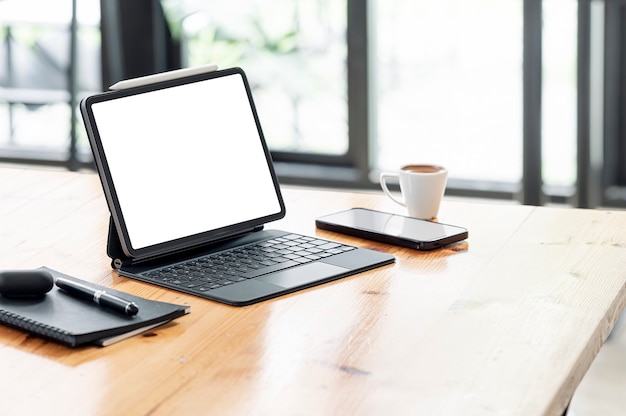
x=302, y=260
x=265, y=270
x=280, y=259
x=268, y=249
x=328, y=246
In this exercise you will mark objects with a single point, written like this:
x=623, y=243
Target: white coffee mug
x=422, y=188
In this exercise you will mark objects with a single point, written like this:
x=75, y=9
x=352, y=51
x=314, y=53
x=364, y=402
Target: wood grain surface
x=504, y=323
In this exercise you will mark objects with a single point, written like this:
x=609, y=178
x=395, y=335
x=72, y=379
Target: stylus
x=98, y=296
x=163, y=76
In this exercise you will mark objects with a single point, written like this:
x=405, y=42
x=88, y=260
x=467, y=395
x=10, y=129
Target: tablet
x=183, y=162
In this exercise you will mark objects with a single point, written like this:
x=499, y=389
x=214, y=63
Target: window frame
x=352, y=168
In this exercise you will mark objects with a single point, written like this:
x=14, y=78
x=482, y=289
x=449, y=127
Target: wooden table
x=506, y=323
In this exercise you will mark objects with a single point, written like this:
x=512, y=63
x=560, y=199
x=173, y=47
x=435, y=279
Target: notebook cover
x=72, y=321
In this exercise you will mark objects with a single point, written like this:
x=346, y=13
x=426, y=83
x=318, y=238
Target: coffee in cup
x=422, y=187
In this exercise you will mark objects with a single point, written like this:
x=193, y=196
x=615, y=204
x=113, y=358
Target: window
x=559, y=96
x=411, y=80
x=520, y=99
x=37, y=81
x=294, y=54
x=449, y=86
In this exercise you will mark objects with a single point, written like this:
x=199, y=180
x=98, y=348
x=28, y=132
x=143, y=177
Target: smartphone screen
x=392, y=228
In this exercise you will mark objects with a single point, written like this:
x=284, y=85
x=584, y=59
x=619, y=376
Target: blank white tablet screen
x=185, y=160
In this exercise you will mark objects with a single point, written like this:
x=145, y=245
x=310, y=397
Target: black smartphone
x=391, y=228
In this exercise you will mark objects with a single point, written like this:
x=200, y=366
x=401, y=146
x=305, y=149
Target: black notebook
x=73, y=321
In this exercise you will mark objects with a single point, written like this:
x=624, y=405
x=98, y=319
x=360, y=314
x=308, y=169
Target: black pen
x=98, y=296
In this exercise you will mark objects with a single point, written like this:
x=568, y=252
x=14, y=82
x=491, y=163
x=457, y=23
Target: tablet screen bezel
x=111, y=194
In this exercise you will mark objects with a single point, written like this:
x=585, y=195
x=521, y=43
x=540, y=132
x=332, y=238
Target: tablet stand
x=114, y=248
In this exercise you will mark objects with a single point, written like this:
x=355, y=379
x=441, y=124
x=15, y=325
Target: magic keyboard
x=247, y=262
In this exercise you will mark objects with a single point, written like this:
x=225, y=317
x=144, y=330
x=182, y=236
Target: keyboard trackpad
x=303, y=275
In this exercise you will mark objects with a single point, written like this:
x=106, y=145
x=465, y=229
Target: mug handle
x=383, y=183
